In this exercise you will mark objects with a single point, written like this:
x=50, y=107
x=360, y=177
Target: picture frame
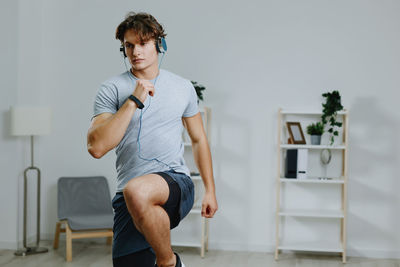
x=295, y=133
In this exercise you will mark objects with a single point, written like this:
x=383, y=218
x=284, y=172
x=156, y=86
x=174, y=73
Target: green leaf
x=199, y=88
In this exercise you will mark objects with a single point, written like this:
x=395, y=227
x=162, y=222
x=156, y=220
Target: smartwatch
x=137, y=101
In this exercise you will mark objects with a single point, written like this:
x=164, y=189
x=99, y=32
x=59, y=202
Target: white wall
x=254, y=57
x=9, y=157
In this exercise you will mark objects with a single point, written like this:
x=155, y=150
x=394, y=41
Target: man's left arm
x=202, y=157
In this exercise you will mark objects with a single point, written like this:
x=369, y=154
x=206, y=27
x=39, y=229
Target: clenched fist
x=209, y=205
x=142, y=89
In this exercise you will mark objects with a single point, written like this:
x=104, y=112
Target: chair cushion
x=91, y=222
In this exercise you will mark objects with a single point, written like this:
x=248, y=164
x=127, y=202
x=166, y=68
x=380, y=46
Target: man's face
x=142, y=55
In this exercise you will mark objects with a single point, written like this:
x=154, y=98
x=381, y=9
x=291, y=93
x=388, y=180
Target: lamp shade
x=30, y=120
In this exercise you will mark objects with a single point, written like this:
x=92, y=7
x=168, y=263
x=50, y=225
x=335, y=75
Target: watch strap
x=137, y=101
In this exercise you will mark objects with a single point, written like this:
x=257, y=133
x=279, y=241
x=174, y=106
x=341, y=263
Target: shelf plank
x=307, y=112
x=186, y=244
x=195, y=211
x=314, y=180
x=196, y=177
x=317, y=246
x=290, y=146
x=312, y=213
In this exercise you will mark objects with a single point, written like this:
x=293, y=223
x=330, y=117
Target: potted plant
x=329, y=112
x=315, y=130
x=199, y=90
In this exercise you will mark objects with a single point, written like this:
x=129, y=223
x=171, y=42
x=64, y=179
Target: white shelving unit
x=324, y=245
x=194, y=221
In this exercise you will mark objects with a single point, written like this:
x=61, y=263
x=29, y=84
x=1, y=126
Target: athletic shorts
x=129, y=245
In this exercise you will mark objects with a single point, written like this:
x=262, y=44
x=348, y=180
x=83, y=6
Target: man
x=142, y=113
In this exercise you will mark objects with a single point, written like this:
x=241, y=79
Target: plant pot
x=315, y=139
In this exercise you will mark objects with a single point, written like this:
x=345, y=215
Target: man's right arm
x=107, y=129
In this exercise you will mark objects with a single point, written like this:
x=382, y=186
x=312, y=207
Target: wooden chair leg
x=69, y=243
x=57, y=235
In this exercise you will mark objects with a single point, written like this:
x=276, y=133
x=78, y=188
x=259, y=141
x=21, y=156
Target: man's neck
x=146, y=74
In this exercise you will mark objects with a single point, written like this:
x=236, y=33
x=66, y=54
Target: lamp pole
x=31, y=250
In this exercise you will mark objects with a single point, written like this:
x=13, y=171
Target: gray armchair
x=84, y=207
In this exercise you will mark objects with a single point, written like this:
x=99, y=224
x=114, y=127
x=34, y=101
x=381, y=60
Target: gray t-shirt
x=162, y=127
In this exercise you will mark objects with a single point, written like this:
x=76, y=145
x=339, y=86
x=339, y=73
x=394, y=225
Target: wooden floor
x=87, y=254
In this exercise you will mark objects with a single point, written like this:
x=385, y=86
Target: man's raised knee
x=136, y=199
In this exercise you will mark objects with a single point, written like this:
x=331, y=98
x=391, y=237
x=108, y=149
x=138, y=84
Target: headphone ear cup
x=163, y=47
x=164, y=44
x=158, y=47
x=122, y=50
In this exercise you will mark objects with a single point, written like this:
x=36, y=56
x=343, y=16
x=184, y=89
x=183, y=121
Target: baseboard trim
x=8, y=245
x=351, y=252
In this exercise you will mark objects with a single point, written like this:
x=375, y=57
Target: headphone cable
x=141, y=115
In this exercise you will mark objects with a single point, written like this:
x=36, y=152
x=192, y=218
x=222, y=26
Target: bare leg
x=144, y=196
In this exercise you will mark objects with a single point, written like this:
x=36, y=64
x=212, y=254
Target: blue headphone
x=161, y=46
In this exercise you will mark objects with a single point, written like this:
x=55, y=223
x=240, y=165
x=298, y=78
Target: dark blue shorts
x=127, y=239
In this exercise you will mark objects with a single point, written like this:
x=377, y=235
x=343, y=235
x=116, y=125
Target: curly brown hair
x=143, y=24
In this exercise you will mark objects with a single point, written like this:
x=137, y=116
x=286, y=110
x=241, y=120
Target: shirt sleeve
x=192, y=107
x=106, y=100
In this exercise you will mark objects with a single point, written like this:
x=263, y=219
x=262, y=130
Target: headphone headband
x=161, y=47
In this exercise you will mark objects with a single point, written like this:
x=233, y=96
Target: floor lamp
x=30, y=121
